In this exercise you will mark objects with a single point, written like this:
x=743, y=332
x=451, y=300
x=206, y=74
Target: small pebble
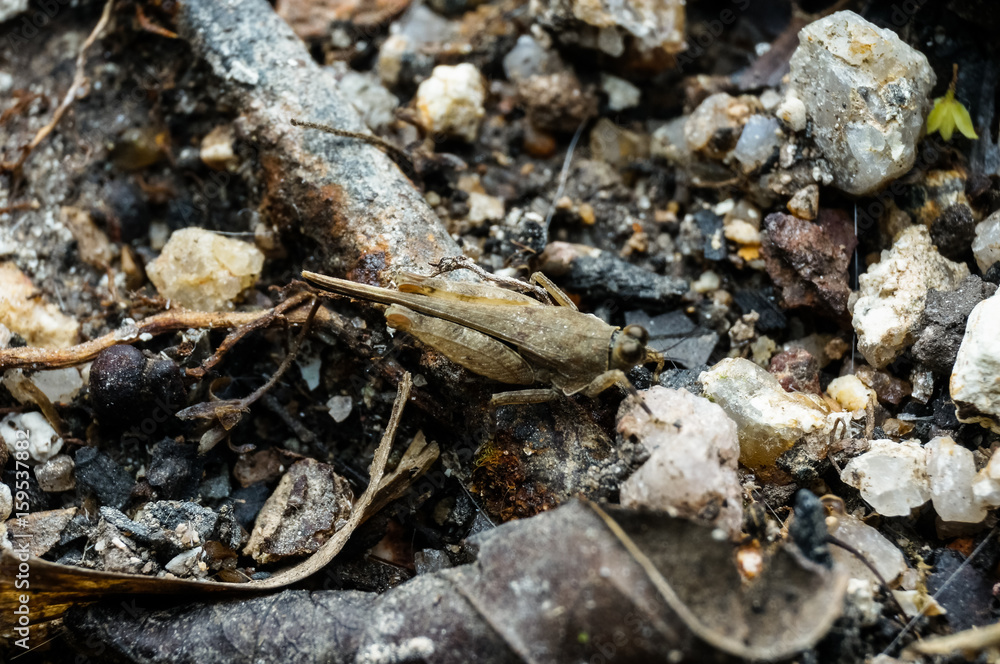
x=340, y=407
x=31, y=432
x=851, y=393
x=693, y=450
x=876, y=549
x=986, y=246
x=769, y=419
x=56, y=474
x=25, y=312
x=621, y=94
x=952, y=470
x=707, y=282
x=893, y=293
x=201, y=270
x=450, y=102
x=868, y=139
x=891, y=476
x=758, y=142
x=974, y=385
x=805, y=203
x=217, y=148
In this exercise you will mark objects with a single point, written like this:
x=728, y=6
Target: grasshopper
x=508, y=336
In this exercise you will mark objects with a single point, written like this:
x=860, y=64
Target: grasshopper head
x=629, y=347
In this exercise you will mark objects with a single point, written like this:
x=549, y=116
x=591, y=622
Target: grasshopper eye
x=630, y=347
x=637, y=332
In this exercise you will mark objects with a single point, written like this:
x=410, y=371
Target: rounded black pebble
x=164, y=385
x=117, y=385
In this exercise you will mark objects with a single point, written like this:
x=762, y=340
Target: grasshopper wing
x=473, y=350
x=451, y=290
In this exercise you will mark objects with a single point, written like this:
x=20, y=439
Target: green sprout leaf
x=947, y=114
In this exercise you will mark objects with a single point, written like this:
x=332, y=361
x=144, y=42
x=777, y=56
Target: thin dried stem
x=79, y=79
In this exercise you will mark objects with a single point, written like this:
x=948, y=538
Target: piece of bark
x=346, y=196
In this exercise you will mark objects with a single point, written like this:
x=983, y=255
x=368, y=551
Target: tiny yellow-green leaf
x=963, y=121
x=947, y=115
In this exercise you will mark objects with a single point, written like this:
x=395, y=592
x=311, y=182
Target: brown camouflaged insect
x=508, y=336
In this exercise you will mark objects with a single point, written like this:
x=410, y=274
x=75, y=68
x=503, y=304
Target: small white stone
x=669, y=142
x=31, y=432
x=922, y=380
x=310, y=365
x=759, y=142
x=986, y=246
x=878, y=550
x=340, y=407
x=450, y=102
x=202, y=270
x=707, y=282
x=952, y=470
x=792, y=112
x=529, y=58
x=851, y=393
x=621, y=93
x=185, y=563
x=770, y=99
x=216, y=150
x=25, y=311
x=893, y=292
x=483, y=207
x=974, y=385
x=891, y=476
x=692, y=465
x=741, y=232
x=769, y=419
x=986, y=487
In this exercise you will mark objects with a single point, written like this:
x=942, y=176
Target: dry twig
x=79, y=79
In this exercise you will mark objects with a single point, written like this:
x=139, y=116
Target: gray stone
x=759, y=141
x=867, y=94
x=945, y=316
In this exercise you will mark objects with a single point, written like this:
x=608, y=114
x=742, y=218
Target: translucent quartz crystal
x=867, y=93
x=769, y=420
x=878, y=550
x=202, y=270
x=952, y=470
x=758, y=142
x=986, y=246
x=891, y=476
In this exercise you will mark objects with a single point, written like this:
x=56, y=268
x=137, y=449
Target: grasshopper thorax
x=629, y=347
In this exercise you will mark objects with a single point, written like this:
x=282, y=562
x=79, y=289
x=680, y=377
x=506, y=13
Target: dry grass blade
x=967, y=643
x=57, y=587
